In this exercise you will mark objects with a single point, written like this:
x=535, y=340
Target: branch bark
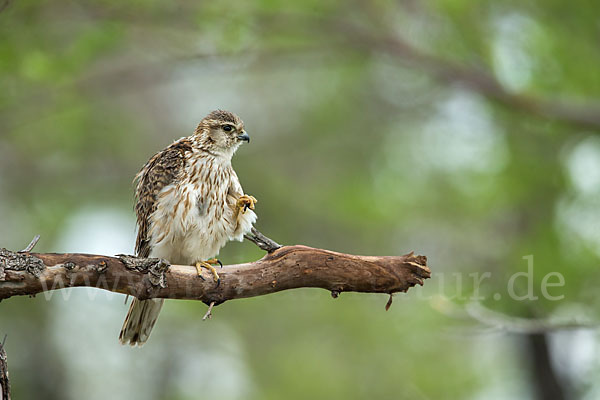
x=283, y=268
x=4, y=381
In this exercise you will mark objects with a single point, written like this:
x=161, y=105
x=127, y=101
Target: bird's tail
x=139, y=321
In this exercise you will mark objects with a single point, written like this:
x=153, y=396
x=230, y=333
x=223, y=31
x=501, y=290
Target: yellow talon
x=246, y=202
x=207, y=264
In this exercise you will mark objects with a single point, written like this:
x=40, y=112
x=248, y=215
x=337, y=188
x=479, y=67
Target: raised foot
x=246, y=202
x=207, y=264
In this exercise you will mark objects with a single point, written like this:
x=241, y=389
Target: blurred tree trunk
x=545, y=382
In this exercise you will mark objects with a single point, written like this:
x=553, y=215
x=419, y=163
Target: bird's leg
x=207, y=264
x=246, y=202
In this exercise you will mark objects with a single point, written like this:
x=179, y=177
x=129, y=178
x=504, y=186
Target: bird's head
x=221, y=132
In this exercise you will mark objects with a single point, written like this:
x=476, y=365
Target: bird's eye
x=228, y=128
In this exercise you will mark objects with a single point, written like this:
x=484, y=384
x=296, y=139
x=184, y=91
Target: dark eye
x=228, y=128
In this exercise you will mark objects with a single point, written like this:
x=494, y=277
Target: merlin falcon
x=189, y=204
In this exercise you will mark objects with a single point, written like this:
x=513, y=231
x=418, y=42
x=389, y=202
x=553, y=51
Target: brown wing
x=160, y=171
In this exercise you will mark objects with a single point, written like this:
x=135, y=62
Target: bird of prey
x=189, y=204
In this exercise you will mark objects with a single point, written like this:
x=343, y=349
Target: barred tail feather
x=140, y=320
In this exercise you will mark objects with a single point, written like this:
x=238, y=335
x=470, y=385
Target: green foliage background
x=358, y=146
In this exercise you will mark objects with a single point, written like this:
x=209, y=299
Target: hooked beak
x=244, y=136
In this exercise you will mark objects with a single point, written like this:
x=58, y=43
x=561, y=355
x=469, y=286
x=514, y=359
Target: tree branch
x=495, y=321
x=268, y=245
x=283, y=268
x=478, y=80
x=528, y=326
